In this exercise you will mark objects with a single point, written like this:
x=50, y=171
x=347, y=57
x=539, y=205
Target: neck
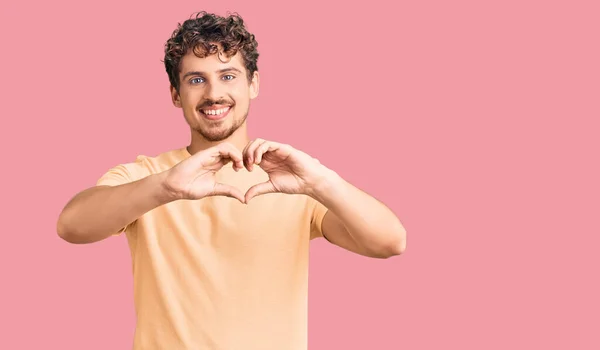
x=238, y=139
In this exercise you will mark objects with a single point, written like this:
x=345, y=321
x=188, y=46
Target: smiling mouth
x=214, y=113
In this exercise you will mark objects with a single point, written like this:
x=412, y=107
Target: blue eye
x=193, y=81
x=231, y=76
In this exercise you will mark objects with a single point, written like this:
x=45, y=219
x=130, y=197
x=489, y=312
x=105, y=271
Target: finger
x=228, y=191
x=244, y=152
x=228, y=151
x=249, y=153
x=280, y=150
x=224, y=161
x=258, y=189
x=264, y=148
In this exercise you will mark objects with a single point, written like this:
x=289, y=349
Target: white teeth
x=215, y=112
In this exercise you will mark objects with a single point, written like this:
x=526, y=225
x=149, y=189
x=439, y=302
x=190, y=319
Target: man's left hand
x=290, y=170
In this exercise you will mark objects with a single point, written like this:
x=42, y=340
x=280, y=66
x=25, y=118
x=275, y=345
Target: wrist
x=324, y=184
x=166, y=192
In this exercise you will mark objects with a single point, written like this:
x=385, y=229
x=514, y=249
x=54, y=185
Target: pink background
x=476, y=122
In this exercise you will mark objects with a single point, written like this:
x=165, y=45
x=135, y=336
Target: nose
x=214, y=91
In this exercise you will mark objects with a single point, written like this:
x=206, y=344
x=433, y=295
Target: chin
x=213, y=137
x=215, y=133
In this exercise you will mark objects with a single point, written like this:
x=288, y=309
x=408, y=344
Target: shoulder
x=160, y=162
x=141, y=167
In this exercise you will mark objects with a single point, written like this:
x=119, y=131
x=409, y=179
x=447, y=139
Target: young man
x=219, y=230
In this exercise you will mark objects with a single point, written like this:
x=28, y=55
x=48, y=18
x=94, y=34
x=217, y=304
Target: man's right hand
x=194, y=178
x=98, y=212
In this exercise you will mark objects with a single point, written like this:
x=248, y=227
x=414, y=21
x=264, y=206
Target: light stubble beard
x=212, y=135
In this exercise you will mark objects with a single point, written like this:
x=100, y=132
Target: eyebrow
x=220, y=71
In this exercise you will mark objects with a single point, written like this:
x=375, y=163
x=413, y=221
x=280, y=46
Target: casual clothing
x=218, y=274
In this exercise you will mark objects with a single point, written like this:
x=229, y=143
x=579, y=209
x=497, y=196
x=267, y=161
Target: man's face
x=214, y=95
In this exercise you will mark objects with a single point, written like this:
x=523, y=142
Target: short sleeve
x=318, y=213
x=120, y=175
x=124, y=173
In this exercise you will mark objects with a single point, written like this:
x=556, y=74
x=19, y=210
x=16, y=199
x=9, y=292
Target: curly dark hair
x=205, y=33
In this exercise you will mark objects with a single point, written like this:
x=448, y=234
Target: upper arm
x=327, y=225
x=120, y=175
x=334, y=231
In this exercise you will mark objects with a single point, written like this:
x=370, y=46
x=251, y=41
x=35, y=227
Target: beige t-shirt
x=218, y=274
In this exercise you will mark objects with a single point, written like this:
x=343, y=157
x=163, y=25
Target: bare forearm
x=98, y=212
x=370, y=223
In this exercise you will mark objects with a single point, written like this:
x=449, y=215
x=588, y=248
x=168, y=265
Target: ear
x=175, y=97
x=254, y=85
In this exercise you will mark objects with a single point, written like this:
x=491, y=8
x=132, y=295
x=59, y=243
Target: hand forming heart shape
x=290, y=171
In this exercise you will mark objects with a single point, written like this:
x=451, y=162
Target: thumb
x=258, y=189
x=227, y=191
